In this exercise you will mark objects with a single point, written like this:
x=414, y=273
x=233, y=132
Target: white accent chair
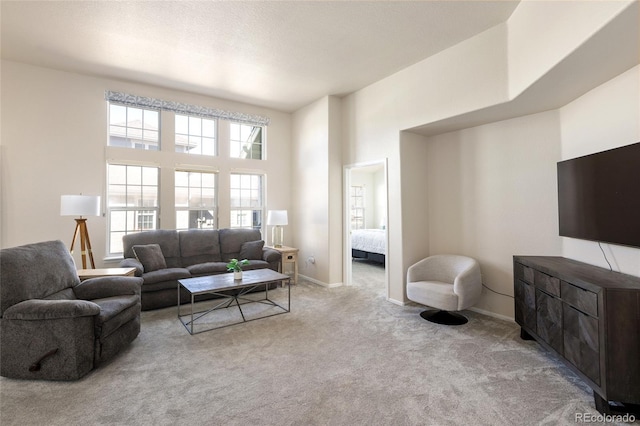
x=446, y=282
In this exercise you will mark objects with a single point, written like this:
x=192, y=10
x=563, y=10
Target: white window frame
x=195, y=134
x=358, y=218
x=133, y=214
x=243, y=205
x=190, y=208
x=136, y=137
x=239, y=148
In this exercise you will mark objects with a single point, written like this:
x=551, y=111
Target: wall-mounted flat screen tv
x=599, y=196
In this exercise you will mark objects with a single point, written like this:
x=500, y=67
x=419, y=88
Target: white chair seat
x=439, y=294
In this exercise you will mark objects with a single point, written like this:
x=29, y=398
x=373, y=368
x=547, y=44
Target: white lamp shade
x=277, y=217
x=80, y=205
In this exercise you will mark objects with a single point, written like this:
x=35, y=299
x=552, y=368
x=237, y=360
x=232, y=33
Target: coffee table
x=220, y=285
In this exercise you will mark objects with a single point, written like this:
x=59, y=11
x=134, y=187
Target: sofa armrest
x=40, y=309
x=271, y=255
x=100, y=287
x=130, y=262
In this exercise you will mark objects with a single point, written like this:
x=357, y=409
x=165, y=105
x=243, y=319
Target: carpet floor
x=342, y=356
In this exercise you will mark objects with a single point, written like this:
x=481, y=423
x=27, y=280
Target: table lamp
x=81, y=205
x=277, y=218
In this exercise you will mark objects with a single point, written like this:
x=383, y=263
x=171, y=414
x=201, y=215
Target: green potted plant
x=235, y=266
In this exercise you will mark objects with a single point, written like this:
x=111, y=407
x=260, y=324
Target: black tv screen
x=599, y=196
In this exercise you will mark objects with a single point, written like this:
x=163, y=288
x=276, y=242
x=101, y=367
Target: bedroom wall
x=53, y=139
x=380, y=207
x=375, y=206
x=606, y=117
x=365, y=179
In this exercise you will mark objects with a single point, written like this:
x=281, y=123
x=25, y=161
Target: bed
x=369, y=244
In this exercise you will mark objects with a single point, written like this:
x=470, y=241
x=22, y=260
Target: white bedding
x=371, y=240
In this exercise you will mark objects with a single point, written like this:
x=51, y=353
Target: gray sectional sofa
x=162, y=257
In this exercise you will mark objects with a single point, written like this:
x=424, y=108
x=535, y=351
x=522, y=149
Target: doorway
x=366, y=231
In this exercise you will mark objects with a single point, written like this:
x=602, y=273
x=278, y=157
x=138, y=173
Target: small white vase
x=237, y=275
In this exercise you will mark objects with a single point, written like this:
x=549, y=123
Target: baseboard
x=318, y=282
x=396, y=302
x=493, y=314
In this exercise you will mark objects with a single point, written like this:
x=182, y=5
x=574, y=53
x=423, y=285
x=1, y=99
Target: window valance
x=187, y=109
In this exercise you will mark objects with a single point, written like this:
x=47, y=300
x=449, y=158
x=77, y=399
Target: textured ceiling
x=278, y=54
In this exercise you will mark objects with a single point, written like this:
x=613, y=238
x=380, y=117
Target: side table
x=85, y=274
x=289, y=255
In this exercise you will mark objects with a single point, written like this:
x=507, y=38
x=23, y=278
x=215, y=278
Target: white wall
x=317, y=189
x=336, y=229
x=54, y=134
x=607, y=117
x=414, y=156
x=566, y=25
x=492, y=195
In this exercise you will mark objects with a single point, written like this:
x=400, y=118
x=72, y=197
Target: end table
x=85, y=274
x=289, y=255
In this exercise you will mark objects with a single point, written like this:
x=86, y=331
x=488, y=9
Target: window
x=132, y=202
x=135, y=176
x=131, y=127
x=195, y=135
x=246, y=141
x=357, y=207
x=246, y=201
x=196, y=204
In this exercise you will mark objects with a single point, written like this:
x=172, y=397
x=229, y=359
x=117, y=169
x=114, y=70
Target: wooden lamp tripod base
x=85, y=242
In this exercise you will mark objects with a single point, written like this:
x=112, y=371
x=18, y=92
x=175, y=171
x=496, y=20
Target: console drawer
x=583, y=300
x=524, y=273
x=547, y=283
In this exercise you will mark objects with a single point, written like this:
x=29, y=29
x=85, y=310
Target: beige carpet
x=343, y=356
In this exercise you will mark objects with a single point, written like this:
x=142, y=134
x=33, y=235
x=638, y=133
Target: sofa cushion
x=159, y=287
x=256, y=264
x=251, y=250
x=199, y=246
x=169, y=274
x=150, y=255
x=208, y=268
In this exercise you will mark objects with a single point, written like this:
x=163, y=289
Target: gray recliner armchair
x=55, y=327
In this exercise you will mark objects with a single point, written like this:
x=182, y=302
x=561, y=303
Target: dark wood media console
x=590, y=318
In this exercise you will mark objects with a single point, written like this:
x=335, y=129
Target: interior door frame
x=347, y=270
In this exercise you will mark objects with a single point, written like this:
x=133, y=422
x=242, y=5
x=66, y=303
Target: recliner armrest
x=40, y=309
x=100, y=287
